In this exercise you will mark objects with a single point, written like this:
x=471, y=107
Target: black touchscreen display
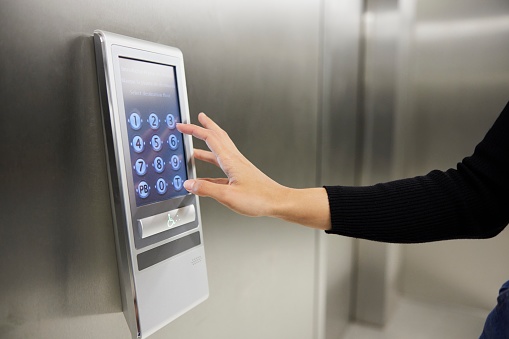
x=156, y=147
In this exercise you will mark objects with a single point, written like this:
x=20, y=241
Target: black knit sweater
x=471, y=201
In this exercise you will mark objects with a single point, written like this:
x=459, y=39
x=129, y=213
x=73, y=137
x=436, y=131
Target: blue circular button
x=140, y=167
x=143, y=189
x=135, y=121
x=138, y=144
x=153, y=121
x=175, y=162
x=173, y=142
x=170, y=121
x=161, y=186
x=177, y=183
x=156, y=143
x=158, y=164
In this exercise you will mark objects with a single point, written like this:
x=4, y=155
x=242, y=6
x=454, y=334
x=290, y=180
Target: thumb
x=204, y=188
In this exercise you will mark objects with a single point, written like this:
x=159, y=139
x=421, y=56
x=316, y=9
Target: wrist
x=308, y=207
x=279, y=202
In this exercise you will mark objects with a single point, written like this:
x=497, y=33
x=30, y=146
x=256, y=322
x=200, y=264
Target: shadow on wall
x=91, y=266
x=56, y=239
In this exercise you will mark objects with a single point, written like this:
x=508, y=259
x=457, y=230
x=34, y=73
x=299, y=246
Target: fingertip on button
x=189, y=185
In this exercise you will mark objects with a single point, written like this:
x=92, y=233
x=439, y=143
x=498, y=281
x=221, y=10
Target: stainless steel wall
x=287, y=80
x=435, y=77
x=455, y=84
x=253, y=66
x=339, y=134
x=375, y=269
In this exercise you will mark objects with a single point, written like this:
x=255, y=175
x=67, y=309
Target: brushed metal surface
x=252, y=66
x=382, y=30
x=436, y=76
x=167, y=220
x=457, y=85
x=338, y=136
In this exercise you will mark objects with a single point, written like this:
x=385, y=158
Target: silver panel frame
x=129, y=244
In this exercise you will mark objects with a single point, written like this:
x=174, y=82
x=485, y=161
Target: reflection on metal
x=433, y=86
x=457, y=85
x=338, y=139
x=382, y=25
x=251, y=65
x=462, y=29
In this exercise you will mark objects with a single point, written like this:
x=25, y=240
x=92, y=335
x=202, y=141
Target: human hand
x=246, y=189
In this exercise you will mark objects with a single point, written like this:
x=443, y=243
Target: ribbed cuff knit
x=471, y=201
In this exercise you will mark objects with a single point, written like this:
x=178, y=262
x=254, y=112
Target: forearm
x=438, y=206
x=308, y=207
x=468, y=202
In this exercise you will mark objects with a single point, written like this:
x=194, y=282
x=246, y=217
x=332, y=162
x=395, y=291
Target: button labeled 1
x=135, y=121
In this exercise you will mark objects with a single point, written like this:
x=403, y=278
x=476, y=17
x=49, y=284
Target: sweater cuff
x=337, y=201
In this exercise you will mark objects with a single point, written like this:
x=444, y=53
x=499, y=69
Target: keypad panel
x=156, y=147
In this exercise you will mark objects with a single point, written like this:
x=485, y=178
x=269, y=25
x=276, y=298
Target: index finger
x=207, y=122
x=207, y=135
x=187, y=128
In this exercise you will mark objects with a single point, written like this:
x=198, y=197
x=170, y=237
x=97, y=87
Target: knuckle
x=197, y=187
x=224, y=133
x=211, y=134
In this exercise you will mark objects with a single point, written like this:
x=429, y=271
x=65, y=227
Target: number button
x=161, y=186
x=158, y=164
x=140, y=167
x=173, y=142
x=170, y=121
x=175, y=162
x=177, y=183
x=153, y=120
x=135, y=121
x=138, y=144
x=143, y=189
x=156, y=143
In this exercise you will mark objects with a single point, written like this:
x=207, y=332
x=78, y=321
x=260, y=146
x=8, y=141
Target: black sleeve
x=471, y=201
